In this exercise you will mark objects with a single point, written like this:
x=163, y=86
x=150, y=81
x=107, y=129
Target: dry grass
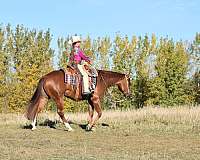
x=182, y=115
x=149, y=133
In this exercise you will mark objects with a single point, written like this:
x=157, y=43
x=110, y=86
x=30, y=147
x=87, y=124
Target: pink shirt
x=79, y=56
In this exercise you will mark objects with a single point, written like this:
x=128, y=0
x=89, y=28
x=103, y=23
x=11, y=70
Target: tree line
x=163, y=72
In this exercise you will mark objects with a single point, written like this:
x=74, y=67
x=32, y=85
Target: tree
x=171, y=68
x=123, y=59
x=104, y=49
x=28, y=58
x=195, y=56
x=141, y=83
x=4, y=68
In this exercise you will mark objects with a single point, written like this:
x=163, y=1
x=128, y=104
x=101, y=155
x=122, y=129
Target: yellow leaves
x=153, y=43
x=25, y=56
x=104, y=46
x=197, y=38
x=87, y=47
x=124, y=53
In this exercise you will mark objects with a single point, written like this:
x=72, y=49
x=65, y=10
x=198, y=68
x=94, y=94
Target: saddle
x=73, y=77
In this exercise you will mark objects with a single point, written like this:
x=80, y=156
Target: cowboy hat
x=75, y=39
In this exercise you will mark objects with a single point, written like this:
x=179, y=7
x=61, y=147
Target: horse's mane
x=109, y=74
x=112, y=75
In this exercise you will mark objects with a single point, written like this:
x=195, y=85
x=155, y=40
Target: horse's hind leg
x=42, y=102
x=34, y=123
x=60, y=106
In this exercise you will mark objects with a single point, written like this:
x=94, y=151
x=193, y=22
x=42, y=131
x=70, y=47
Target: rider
x=77, y=59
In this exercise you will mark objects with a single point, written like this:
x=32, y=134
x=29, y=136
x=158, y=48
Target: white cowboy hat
x=75, y=39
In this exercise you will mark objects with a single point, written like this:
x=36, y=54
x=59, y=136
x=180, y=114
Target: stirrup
x=92, y=89
x=86, y=93
x=86, y=96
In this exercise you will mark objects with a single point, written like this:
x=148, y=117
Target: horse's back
x=55, y=73
x=54, y=80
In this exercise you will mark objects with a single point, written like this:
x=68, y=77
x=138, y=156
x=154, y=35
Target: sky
x=177, y=19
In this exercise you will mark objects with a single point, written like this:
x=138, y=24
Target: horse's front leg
x=90, y=116
x=95, y=102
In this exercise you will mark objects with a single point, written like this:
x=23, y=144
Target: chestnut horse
x=52, y=86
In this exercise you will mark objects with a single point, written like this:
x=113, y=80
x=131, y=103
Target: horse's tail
x=35, y=101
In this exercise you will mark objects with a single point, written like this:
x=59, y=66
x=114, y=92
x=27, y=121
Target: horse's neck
x=111, y=78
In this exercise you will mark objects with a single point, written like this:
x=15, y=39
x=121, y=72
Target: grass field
x=150, y=133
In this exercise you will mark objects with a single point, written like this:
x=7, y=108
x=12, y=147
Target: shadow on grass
x=27, y=126
x=47, y=122
x=83, y=126
x=105, y=125
x=52, y=124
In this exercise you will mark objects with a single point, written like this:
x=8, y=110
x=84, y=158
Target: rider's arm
x=83, y=56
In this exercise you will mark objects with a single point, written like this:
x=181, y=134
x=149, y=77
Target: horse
x=52, y=86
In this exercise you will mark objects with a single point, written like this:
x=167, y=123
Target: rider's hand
x=90, y=62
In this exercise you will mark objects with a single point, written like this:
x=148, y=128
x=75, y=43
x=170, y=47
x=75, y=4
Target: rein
x=109, y=91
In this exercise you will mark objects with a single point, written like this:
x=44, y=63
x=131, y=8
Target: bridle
x=110, y=92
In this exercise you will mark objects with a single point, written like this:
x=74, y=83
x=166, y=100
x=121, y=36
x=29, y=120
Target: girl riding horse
x=77, y=60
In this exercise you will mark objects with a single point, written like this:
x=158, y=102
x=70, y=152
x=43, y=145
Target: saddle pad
x=71, y=79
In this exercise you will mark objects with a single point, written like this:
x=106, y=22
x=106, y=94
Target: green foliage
x=30, y=57
x=167, y=87
x=141, y=88
x=195, y=51
x=196, y=88
x=195, y=56
x=103, y=53
x=163, y=72
x=64, y=50
x=124, y=54
x=123, y=60
x=4, y=66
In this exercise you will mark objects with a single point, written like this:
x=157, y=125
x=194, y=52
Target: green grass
x=150, y=133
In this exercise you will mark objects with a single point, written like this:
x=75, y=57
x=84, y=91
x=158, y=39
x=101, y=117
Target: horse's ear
x=128, y=75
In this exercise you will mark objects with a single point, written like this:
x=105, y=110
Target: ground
x=150, y=133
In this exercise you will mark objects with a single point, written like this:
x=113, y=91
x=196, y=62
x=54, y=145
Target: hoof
x=68, y=127
x=88, y=127
x=93, y=129
x=33, y=128
x=70, y=130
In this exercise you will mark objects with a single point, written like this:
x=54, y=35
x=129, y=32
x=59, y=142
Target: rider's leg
x=85, y=79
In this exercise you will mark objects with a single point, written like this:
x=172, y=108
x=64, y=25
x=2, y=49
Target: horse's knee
x=99, y=114
x=62, y=116
x=91, y=113
x=60, y=113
